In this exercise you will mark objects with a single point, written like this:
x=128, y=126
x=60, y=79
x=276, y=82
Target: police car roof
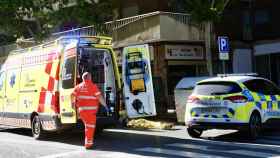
x=230, y=79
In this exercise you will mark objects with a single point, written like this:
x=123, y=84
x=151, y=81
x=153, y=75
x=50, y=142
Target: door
x=67, y=83
x=273, y=93
x=268, y=95
x=110, y=81
x=12, y=89
x=98, y=61
x=138, y=85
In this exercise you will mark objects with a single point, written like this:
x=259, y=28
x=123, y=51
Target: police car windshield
x=216, y=88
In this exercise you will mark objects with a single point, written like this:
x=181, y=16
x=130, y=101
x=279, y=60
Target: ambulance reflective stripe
x=86, y=97
x=88, y=142
x=90, y=125
x=49, y=93
x=87, y=108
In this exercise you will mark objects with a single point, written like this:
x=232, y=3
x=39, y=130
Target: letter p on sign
x=223, y=44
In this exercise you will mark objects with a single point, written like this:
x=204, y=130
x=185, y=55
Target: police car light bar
x=239, y=74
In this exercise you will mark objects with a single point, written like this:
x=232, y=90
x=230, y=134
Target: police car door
x=67, y=83
x=137, y=79
x=272, y=110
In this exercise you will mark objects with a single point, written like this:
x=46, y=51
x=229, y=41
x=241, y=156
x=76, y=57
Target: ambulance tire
x=37, y=130
x=195, y=133
x=255, y=126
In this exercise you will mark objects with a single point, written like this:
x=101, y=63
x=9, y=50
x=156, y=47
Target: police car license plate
x=210, y=103
x=210, y=110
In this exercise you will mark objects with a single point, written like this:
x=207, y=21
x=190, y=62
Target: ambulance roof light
x=87, y=39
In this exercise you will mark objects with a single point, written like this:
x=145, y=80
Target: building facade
x=176, y=44
x=255, y=37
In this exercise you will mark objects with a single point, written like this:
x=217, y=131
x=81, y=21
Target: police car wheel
x=37, y=130
x=195, y=133
x=254, y=126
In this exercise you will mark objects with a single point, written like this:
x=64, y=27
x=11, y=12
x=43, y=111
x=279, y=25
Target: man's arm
x=102, y=101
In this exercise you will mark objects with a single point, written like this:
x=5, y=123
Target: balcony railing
x=84, y=31
x=180, y=17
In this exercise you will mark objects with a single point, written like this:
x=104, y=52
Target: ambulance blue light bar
x=86, y=40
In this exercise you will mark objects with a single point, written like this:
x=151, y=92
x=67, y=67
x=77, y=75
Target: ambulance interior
x=99, y=63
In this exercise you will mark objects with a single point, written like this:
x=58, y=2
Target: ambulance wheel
x=195, y=133
x=37, y=130
x=255, y=126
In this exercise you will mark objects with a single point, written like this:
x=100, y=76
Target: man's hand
x=73, y=104
x=107, y=110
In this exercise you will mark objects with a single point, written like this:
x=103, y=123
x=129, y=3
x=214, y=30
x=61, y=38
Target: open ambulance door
x=67, y=84
x=138, y=85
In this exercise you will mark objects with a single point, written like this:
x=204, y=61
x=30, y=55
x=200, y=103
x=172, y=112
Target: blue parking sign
x=223, y=42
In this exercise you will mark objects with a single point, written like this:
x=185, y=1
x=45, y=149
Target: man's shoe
x=89, y=147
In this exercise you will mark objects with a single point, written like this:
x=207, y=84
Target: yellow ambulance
x=36, y=83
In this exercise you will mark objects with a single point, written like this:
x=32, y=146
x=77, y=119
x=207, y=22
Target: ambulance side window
x=68, y=73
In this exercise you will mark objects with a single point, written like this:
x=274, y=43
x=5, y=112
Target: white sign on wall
x=179, y=52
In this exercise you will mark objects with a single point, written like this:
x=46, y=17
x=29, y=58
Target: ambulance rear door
x=67, y=83
x=137, y=79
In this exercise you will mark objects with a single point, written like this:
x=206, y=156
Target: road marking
x=233, y=151
x=244, y=145
x=123, y=155
x=251, y=153
x=63, y=154
x=269, y=141
x=177, y=152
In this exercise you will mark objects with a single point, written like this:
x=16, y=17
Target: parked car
x=241, y=102
x=182, y=91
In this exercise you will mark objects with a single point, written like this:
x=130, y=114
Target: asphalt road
x=127, y=143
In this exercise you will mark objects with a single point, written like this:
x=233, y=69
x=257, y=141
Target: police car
x=242, y=102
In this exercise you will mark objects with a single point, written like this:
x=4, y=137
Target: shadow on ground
x=150, y=145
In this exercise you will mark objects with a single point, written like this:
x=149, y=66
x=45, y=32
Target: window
x=2, y=79
x=261, y=17
x=262, y=86
x=217, y=88
x=68, y=73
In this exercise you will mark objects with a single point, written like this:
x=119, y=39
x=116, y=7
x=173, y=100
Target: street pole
x=224, y=66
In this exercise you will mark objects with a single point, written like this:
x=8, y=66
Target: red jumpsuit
x=87, y=103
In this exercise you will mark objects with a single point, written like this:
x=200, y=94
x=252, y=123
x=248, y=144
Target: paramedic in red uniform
x=86, y=97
